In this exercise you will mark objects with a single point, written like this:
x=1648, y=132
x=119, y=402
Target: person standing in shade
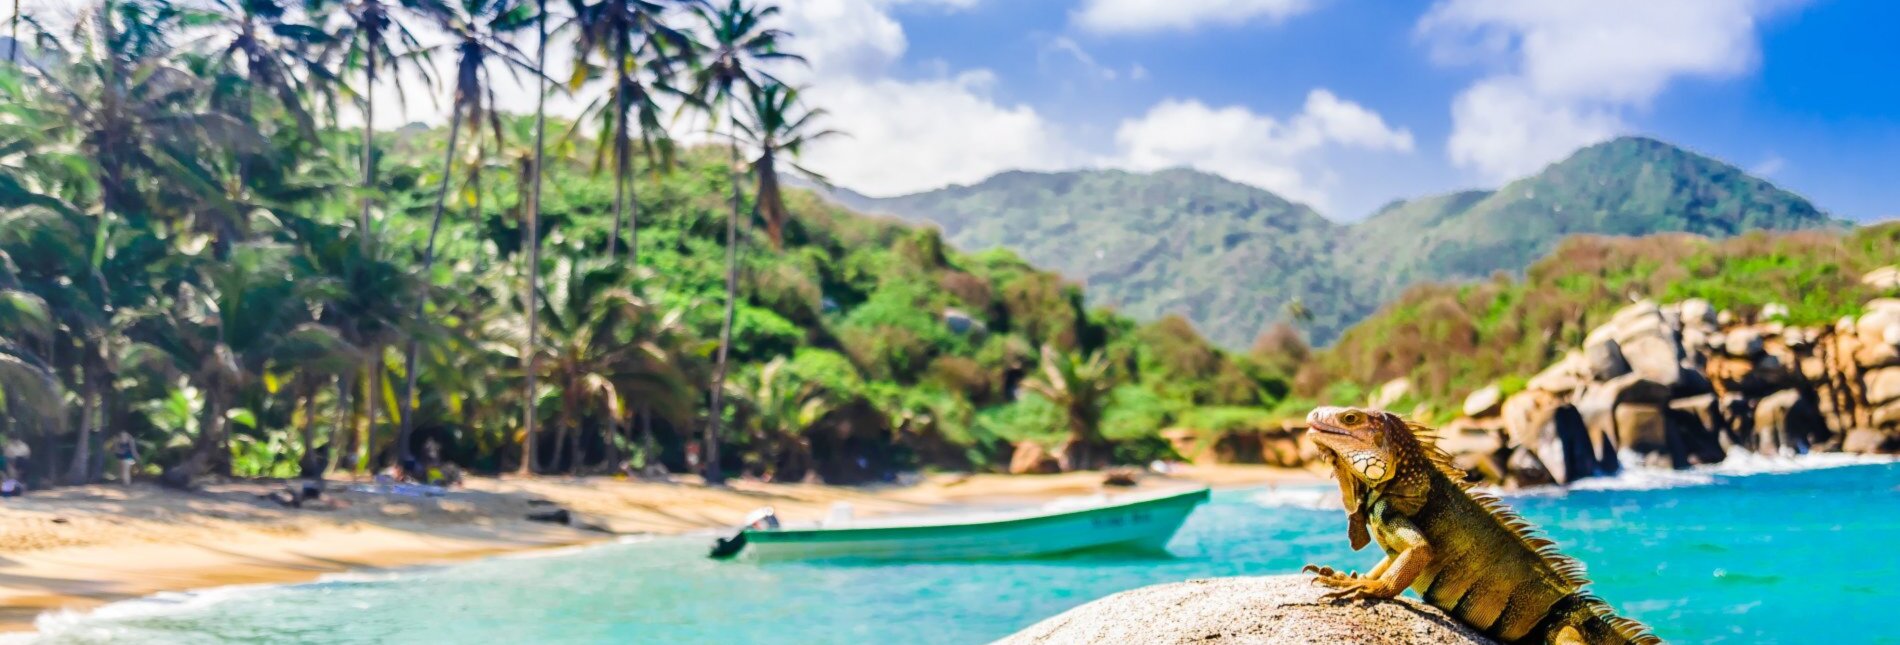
x=19, y=457
x=127, y=451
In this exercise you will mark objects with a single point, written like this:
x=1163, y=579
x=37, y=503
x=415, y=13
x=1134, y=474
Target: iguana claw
x=1327, y=572
x=1354, y=588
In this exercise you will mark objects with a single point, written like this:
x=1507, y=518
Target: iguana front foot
x=1354, y=588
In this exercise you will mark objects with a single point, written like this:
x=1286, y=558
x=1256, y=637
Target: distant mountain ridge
x=1235, y=259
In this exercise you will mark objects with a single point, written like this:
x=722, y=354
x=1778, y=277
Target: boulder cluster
x=1681, y=384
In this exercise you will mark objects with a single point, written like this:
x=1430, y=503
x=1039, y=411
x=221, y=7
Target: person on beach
x=127, y=451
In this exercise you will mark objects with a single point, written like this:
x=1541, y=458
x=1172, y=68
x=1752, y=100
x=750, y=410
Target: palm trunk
x=621, y=147
x=428, y=264
x=309, y=466
x=369, y=140
x=345, y=422
x=533, y=238
x=713, y=474
x=80, y=472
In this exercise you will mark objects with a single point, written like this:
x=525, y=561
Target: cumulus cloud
x=1279, y=155
x=1138, y=16
x=1576, y=69
x=907, y=134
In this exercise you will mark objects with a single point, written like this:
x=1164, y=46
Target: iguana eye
x=1351, y=418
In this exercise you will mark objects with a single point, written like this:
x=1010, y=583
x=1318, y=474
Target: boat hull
x=1142, y=525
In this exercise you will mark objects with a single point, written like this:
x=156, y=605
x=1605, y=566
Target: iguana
x=1462, y=551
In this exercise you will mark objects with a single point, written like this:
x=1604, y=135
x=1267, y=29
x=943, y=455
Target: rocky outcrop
x=1684, y=384
x=1275, y=609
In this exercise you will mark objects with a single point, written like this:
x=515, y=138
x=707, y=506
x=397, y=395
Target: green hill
x=1450, y=339
x=1232, y=258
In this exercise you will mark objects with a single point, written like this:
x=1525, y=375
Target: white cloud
x=1066, y=46
x=1138, y=16
x=1575, y=69
x=907, y=134
x=1281, y=156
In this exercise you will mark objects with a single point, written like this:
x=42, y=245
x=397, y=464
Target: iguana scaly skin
x=1461, y=550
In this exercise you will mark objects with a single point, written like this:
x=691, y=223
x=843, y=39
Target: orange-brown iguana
x=1460, y=550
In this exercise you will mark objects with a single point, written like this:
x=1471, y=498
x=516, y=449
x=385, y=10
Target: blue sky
x=1348, y=104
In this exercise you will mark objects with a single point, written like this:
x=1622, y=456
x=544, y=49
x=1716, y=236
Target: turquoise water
x=1799, y=557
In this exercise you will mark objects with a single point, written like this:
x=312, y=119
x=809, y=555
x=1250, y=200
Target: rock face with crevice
x=1270, y=609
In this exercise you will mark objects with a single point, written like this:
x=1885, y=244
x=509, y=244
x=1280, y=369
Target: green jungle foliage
x=1236, y=259
x=1451, y=339
x=186, y=256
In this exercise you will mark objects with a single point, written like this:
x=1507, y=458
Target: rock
x=1562, y=376
x=1390, y=393
x=1872, y=326
x=1694, y=422
x=1885, y=278
x=1030, y=458
x=1886, y=416
x=1563, y=447
x=1655, y=357
x=1697, y=311
x=1523, y=469
x=1271, y=609
x=1868, y=441
x=1641, y=428
x=1521, y=413
x=1882, y=385
x=962, y=323
x=1742, y=343
x=1787, y=422
x=1773, y=311
x=1484, y=402
x=1605, y=360
x=1724, y=318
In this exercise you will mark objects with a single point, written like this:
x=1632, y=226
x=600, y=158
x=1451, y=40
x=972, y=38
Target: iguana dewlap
x=1461, y=551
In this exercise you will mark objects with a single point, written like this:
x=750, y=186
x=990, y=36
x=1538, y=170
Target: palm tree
x=777, y=408
x=368, y=30
x=775, y=127
x=220, y=330
x=626, y=41
x=262, y=43
x=1080, y=387
x=480, y=30
x=29, y=389
x=532, y=239
x=591, y=359
x=737, y=44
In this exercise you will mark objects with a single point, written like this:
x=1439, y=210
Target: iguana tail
x=1584, y=619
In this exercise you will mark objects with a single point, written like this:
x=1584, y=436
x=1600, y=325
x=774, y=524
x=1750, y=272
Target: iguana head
x=1360, y=441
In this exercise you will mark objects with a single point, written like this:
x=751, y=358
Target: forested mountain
x=1235, y=259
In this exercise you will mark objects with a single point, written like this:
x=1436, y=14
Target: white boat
x=1133, y=522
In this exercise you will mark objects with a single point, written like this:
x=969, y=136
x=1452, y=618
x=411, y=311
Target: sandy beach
x=77, y=548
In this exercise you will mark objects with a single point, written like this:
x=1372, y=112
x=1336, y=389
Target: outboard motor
x=728, y=546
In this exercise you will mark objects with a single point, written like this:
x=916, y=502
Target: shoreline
x=75, y=549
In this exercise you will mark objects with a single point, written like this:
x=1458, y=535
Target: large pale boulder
x=1882, y=385
x=1742, y=343
x=1485, y=401
x=1655, y=357
x=1563, y=376
x=1868, y=441
x=1565, y=449
x=1886, y=416
x=1696, y=311
x=1522, y=411
x=1885, y=278
x=1605, y=359
x=1270, y=609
